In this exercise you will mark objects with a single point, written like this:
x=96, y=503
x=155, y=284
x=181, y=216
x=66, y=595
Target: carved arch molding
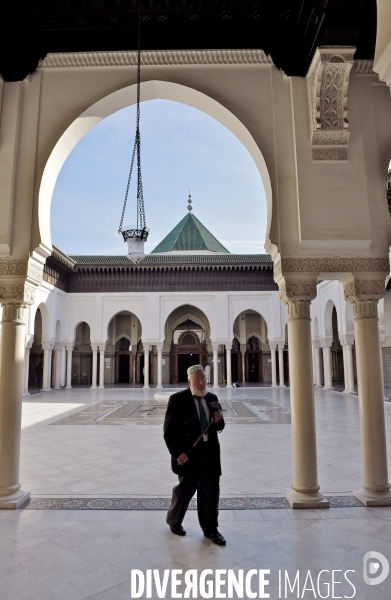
x=328, y=80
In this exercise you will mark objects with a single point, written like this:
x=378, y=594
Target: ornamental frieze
x=332, y=265
x=13, y=267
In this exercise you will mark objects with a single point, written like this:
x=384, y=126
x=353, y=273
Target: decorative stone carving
x=155, y=58
x=13, y=267
x=17, y=293
x=364, y=296
x=331, y=265
x=34, y=271
x=328, y=79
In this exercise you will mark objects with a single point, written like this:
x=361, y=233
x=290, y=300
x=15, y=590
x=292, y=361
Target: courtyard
x=73, y=456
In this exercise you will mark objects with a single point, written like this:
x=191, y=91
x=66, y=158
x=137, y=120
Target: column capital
x=347, y=339
x=215, y=346
x=58, y=346
x=243, y=348
x=69, y=346
x=316, y=343
x=273, y=345
x=102, y=346
x=228, y=345
x=159, y=346
x=281, y=345
x=94, y=347
x=326, y=341
x=47, y=344
x=29, y=342
x=297, y=289
x=364, y=294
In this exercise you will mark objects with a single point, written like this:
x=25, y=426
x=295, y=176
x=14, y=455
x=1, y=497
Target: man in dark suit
x=197, y=464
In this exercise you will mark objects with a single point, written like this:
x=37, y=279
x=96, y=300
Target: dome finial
x=189, y=200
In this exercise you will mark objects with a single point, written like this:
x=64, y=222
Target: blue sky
x=181, y=149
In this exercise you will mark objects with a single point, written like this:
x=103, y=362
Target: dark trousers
x=200, y=479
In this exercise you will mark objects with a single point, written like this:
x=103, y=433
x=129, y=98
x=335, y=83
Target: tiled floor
x=74, y=555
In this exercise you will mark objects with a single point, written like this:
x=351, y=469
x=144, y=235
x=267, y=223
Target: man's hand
x=216, y=417
x=182, y=459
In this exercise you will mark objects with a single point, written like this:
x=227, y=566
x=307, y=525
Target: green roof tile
x=190, y=235
x=161, y=259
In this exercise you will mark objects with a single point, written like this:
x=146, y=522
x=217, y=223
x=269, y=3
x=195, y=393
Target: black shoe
x=216, y=538
x=178, y=530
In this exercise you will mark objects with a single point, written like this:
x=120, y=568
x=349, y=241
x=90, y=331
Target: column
x=57, y=366
x=146, y=368
x=347, y=344
x=243, y=351
x=228, y=348
x=69, y=348
x=317, y=365
x=47, y=366
x=11, y=389
x=297, y=295
x=328, y=381
x=281, y=364
x=94, y=366
x=102, y=348
x=364, y=296
x=381, y=359
x=215, y=347
x=159, y=366
x=273, y=347
x=26, y=369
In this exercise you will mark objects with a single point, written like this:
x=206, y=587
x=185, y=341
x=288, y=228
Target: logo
x=375, y=564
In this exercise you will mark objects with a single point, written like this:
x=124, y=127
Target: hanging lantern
x=136, y=236
x=135, y=239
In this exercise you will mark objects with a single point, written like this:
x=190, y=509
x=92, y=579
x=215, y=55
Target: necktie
x=203, y=418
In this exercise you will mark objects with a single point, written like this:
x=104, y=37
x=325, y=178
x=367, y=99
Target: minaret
x=189, y=206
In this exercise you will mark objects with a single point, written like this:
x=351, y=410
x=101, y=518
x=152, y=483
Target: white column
x=159, y=366
x=94, y=366
x=146, y=368
x=13, y=337
x=228, y=348
x=364, y=295
x=26, y=369
x=102, y=348
x=69, y=348
x=317, y=363
x=328, y=382
x=348, y=365
x=305, y=487
x=273, y=347
x=57, y=366
x=243, y=351
x=215, y=347
x=47, y=366
x=281, y=364
x=382, y=365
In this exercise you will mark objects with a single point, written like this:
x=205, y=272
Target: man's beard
x=197, y=392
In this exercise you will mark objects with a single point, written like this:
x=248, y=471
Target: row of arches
x=124, y=358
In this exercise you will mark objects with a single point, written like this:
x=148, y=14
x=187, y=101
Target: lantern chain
x=141, y=223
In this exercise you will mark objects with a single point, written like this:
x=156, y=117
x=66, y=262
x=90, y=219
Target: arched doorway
x=187, y=341
x=36, y=355
x=82, y=356
x=250, y=354
x=124, y=351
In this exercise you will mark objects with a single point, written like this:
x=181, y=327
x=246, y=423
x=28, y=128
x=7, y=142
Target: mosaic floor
x=246, y=503
x=148, y=412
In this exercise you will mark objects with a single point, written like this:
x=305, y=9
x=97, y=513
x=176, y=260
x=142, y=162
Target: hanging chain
x=137, y=144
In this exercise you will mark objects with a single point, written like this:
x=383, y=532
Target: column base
x=369, y=498
x=350, y=393
x=46, y=390
x=146, y=387
x=57, y=388
x=282, y=386
x=101, y=387
x=159, y=387
x=274, y=386
x=318, y=386
x=14, y=500
x=328, y=388
x=94, y=387
x=229, y=385
x=25, y=394
x=216, y=387
x=301, y=500
x=68, y=387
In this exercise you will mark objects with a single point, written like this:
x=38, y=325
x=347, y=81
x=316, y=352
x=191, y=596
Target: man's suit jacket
x=182, y=427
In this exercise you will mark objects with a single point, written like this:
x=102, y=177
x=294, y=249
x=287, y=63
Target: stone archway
x=122, y=98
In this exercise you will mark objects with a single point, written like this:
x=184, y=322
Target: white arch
x=237, y=311
x=45, y=320
x=122, y=98
x=328, y=318
x=111, y=315
x=58, y=330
